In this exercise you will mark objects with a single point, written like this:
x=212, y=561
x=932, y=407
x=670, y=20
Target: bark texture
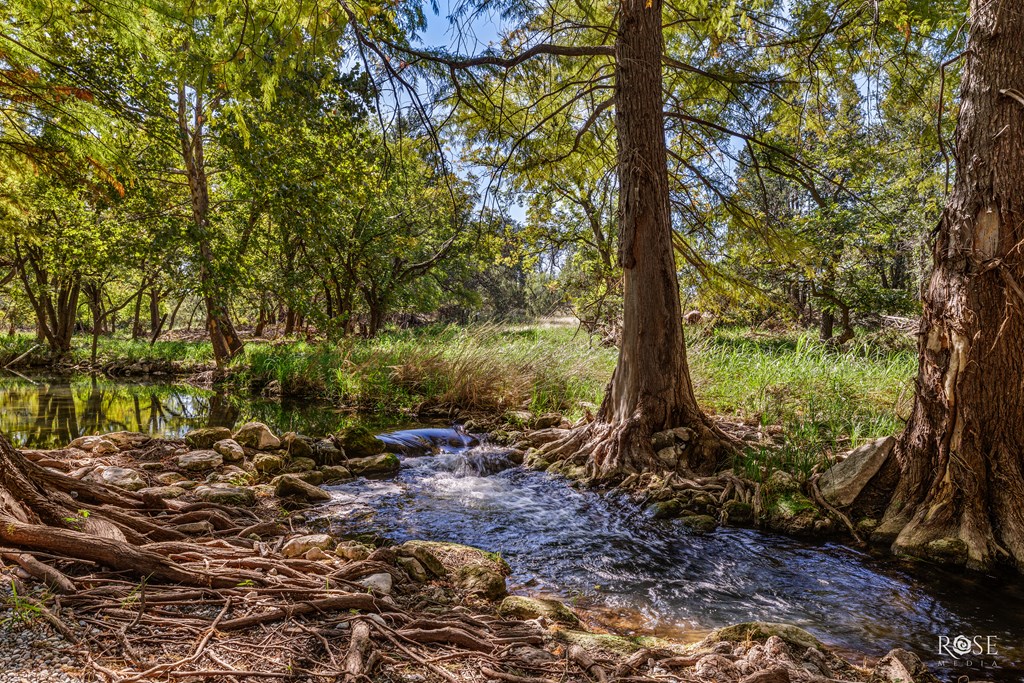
x=650, y=390
x=958, y=497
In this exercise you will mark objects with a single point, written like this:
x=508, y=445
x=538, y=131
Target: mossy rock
x=763, y=630
x=795, y=513
x=700, y=524
x=738, y=512
x=521, y=607
x=600, y=641
x=666, y=509
x=385, y=463
x=480, y=580
x=359, y=442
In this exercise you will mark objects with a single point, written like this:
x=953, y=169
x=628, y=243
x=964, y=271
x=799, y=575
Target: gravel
x=30, y=652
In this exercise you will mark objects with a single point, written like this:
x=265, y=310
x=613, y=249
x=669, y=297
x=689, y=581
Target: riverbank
x=410, y=611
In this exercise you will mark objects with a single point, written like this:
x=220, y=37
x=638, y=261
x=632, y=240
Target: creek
x=598, y=551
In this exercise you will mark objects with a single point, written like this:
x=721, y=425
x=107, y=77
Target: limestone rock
x=230, y=450
x=385, y=463
x=701, y=524
x=359, y=442
x=163, y=492
x=258, y=436
x=97, y=445
x=353, y=550
x=335, y=473
x=291, y=486
x=520, y=607
x=267, y=463
x=762, y=631
x=379, y=584
x=206, y=436
x=300, y=545
x=226, y=494
x=198, y=461
x=481, y=580
x=843, y=482
x=120, y=477
x=301, y=464
x=900, y=666
x=310, y=477
x=297, y=446
x=421, y=552
x=547, y=420
x=413, y=568
x=169, y=478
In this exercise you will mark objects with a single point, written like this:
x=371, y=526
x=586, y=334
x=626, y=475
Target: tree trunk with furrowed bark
x=961, y=457
x=650, y=390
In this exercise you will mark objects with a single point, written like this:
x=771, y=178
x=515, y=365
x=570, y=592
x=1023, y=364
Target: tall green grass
x=826, y=400
x=486, y=368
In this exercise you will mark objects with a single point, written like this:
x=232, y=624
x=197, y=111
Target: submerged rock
x=205, y=437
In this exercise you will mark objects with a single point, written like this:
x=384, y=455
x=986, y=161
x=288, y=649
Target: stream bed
x=598, y=552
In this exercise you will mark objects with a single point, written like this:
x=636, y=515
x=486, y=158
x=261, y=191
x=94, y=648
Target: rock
x=291, y=486
x=662, y=440
x=300, y=545
x=738, y=512
x=258, y=436
x=480, y=580
x=900, y=666
x=353, y=550
x=378, y=584
x=207, y=436
x=413, y=568
x=328, y=453
x=162, y=492
x=301, y=465
x=422, y=553
x=226, y=494
x=333, y=473
x=267, y=463
x=385, y=463
x=701, y=524
x=844, y=481
x=519, y=418
x=316, y=554
x=298, y=446
x=198, y=461
x=668, y=457
x=715, y=667
x=359, y=442
x=151, y=466
x=666, y=509
x=520, y=607
x=311, y=477
x=547, y=420
x=230, y=450
x=127, y=440
x=776, y=674
x=762, y=631
x=120, y=477
x=168, y=478
x=97, y=445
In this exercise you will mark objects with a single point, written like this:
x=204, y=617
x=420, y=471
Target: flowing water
x=599, y=552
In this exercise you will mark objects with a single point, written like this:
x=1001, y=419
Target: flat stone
x=300, y=545
x=198, y=461
x=169, y=478
x=311, y=477
x=205, y=437
x=258, y=436
x=162, y=492
x=353, y=550
x=230, y=449
x=120, y=477
x=379, y=584
x=226, y=494
x=844, y=481
x=291, y=486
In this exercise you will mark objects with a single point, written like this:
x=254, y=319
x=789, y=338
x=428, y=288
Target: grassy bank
x=186, y=354
x=825, y=400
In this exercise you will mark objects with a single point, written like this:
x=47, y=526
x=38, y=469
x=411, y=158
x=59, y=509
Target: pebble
x=29, y=650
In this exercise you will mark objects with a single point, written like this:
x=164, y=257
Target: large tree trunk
x=650, y=390
x=961, y=456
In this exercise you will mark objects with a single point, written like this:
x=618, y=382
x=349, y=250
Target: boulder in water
x=291, y=486
x=359, y=442
x=384, y=463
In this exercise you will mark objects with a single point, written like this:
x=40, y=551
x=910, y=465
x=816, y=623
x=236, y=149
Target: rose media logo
x=969, y=650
